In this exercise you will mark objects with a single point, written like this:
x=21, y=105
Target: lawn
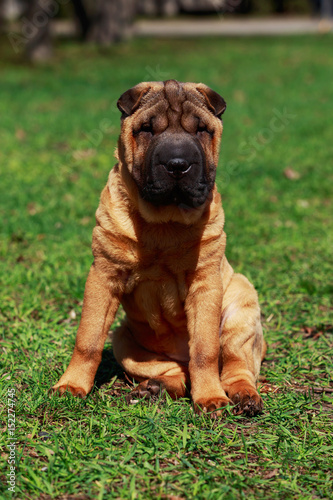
x=58, y=126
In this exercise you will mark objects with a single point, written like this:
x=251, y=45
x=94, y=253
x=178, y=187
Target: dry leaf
x=82, y=154
x=303, y=203
x=85, y=221
x=20, y=134
x=291, y=174
x=33, y=208
x=72, y=314
x=271, y=474
x=266, y=388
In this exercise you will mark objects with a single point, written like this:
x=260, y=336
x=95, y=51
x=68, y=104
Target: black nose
x=177, y=167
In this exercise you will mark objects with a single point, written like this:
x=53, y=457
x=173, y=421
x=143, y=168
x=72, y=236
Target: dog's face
x=170, y=140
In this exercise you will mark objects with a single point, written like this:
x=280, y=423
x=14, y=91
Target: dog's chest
x=157, y=284
x=157, y=297
x=155, y=310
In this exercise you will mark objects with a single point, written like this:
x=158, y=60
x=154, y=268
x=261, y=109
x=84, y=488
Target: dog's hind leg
x=174, y=385
x=242, y=345
x=155, y=372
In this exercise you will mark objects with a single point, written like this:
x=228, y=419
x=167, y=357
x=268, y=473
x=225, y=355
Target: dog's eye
x=202, y=128
x=146, y=127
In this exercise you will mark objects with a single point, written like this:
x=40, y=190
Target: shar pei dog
x=191, y=323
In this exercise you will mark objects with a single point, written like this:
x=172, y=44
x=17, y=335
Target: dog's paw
x=149, y=389
x=74, y=390
x=247, y=404
x=212, y=406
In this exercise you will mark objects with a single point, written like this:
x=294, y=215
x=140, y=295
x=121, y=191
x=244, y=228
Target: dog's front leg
x=203, y=310
x=99, y=308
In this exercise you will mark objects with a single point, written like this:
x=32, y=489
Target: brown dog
x=159, y=251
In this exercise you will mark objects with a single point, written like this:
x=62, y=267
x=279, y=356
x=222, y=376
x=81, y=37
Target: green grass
x=58, y=127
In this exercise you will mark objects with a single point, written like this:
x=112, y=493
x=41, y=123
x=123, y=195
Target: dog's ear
x=130, y=100
x=214, y=101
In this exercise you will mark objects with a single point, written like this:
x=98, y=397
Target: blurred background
x=64, y=64
x=31, y=26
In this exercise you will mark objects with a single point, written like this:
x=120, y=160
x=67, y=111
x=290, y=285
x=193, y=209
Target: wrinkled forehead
x=172, y=97
x=173, y=104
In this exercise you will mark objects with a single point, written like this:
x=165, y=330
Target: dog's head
x=170, y=140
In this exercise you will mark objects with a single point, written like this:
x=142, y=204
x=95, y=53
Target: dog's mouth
x=186, y=197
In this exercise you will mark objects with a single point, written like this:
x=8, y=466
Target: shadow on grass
x=108, y=369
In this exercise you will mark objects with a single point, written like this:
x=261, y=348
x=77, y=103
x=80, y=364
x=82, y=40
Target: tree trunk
x=326, y=8
x=37, y=30
x=279, y=6
x=82, y=17
x=112, y=21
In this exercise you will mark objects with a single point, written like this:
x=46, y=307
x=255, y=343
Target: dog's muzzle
x=175, y=171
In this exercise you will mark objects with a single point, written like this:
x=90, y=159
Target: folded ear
x=214, y=101
x=130, y=100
